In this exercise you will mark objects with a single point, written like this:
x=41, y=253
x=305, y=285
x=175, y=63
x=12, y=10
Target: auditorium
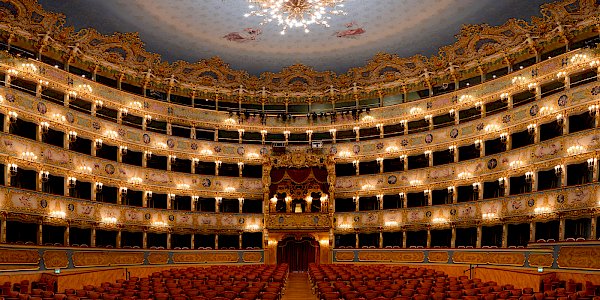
x=299, y=150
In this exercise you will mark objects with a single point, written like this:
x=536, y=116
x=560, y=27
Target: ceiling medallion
x=295, y=13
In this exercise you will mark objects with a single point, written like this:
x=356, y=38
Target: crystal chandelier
x=295, y=13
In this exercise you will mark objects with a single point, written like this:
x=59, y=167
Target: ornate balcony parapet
x=40, y=206
x=298, y=221
x=574, y=201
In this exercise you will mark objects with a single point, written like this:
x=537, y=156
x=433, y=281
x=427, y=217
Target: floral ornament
x=217, y=149
x=506, y=119
x=194, y=146
x=170, y=143
x=71, y=207
x=560, y=198
x=121, y=132
x=453, y=212
x=333, y=150
x=171, y=218
x=404, y=142
x=392, y=179
x=516, y=205
x=428, y=213
x=170, y=110
x=241, y=150
x=356, y=219
x=146, y=104
x=109, y=169
x=10, y=98
x=146, y=138
x=429, y=105
x=41, y=107
x=534, y=110
x=206, y=182
x=379, y=146
x=70, y=118
x=480, y=127
x=562, y=100
x=531, y=202
x=264, y=151
x=241, y=220
x=147, y=216
x=492, y=163
x=428, y=138
x=453, y=133
x=356, y=149
x=595, y=91
x=43, y=203
x=96, y=125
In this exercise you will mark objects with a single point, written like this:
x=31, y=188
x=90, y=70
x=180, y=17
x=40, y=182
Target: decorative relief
x=344, y=256
x=305, y=220
x=438, y=256
x=206, y=257
x=579, y=257
x=158, y=258
x=252, y=257
x=19, y=257
x=493, y=258
x=469, y=257
x=391, y=256
x=541, y=259
x=54, y=259
x=106, y=258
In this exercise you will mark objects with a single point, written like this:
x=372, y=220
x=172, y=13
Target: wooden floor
x=298, y=288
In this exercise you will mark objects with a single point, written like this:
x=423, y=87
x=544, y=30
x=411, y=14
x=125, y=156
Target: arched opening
x=298, y=252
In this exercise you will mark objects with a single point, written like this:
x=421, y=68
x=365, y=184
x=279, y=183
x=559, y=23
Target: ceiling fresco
x=191, y=30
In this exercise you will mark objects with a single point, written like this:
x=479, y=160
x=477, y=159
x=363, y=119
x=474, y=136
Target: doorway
x=297, y=252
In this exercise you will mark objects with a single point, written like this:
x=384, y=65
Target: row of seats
x=215, y=282
x=388, y=282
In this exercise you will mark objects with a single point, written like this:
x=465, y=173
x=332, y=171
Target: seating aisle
x=298, y=288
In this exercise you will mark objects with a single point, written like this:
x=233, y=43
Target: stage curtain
x=297, y=253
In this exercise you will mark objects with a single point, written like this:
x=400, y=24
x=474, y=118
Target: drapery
x=297, y=253
x=298, y=182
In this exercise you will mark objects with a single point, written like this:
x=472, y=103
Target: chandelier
x=295, y=13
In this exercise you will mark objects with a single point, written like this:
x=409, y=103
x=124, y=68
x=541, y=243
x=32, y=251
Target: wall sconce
x=195, y=198
x=171, y=196
x=427, y=154
x=148, y=119
x=452, y=112
x=575, y=149
x=558, y=169
x=488, y=216
x=309, y=132
x=29, y=156
x=452, y=149
x=135, y=180
x=172, y=158
x=504, y=96
x=355, y=199
x=332, y=131
x=123, y=150
x=12, y=117
x=379, y=160
x=286, y=133
x=44, y=127
x=29, y=67
x=415, y=182
x=123, y=191
x=13, y=72
x=593, y=109
x=99, y=104
x=124, y=111
x=379, y=126
x=263, y=133
x=439, y=220
x=529, y=176
x=476, y=186
x=450, y=190
x=44, y=176
x=426, y=193
x=561, y=74
x=71, y=182
x=401, y=195
x=504, y=137
x=148, y=154
x=12, y=169
x=99, y=186
x=241, y=200
x=531, y=128
x=240, y=165
x=501, y=182
x=288, y=198
x=72, y=136
x=98, y=143
x=478, y=105
x=241, y=131
x=356, y=163
x=532, y=85
x=591, y=162
x=195, y=161
x=559, y=119
x=428, y=118
x=402, y=158
x=356, y=129
x=219, y=199
x=109, y=220
x=273, y=199
x=148, y=195
x=403, y=124
x=477, y=144
x=542, y=210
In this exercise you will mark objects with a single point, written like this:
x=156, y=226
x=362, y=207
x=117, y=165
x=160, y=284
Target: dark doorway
x=298, y=252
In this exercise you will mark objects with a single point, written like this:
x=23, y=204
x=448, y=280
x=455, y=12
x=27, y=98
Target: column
x=168, y=240
x=403, y=238
x=93, y=236
x=119, y=238
x=356, y=164
x=454, y=195
x=456, y=117
x=380, y=239
x=534, y=182
x=479, y=231
x=561, y=229
x=356, y=202
x=565, y=124
x=192, y=241
x=357, y=244
x=66, y=237
x=3, y=234
x=505, y=235
x=145, y=199
x=404, y=162
x=169, y=128
x=145, y=239
x=216, y=134
x=453, y=239
x=39, y=234
x=380, y=163
x=428, y=197
x=532, y=231
x=357, y=131
x=506, y=186
x=217, y=165
x=240, y=241
x=217, y=241
x=455, y=156
x=509, y=103
x=170, y=162
x=481, y=148
x=428, y=238
x=240, y=168
x=593, y=223
x=404, y=201
x=429, y=156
